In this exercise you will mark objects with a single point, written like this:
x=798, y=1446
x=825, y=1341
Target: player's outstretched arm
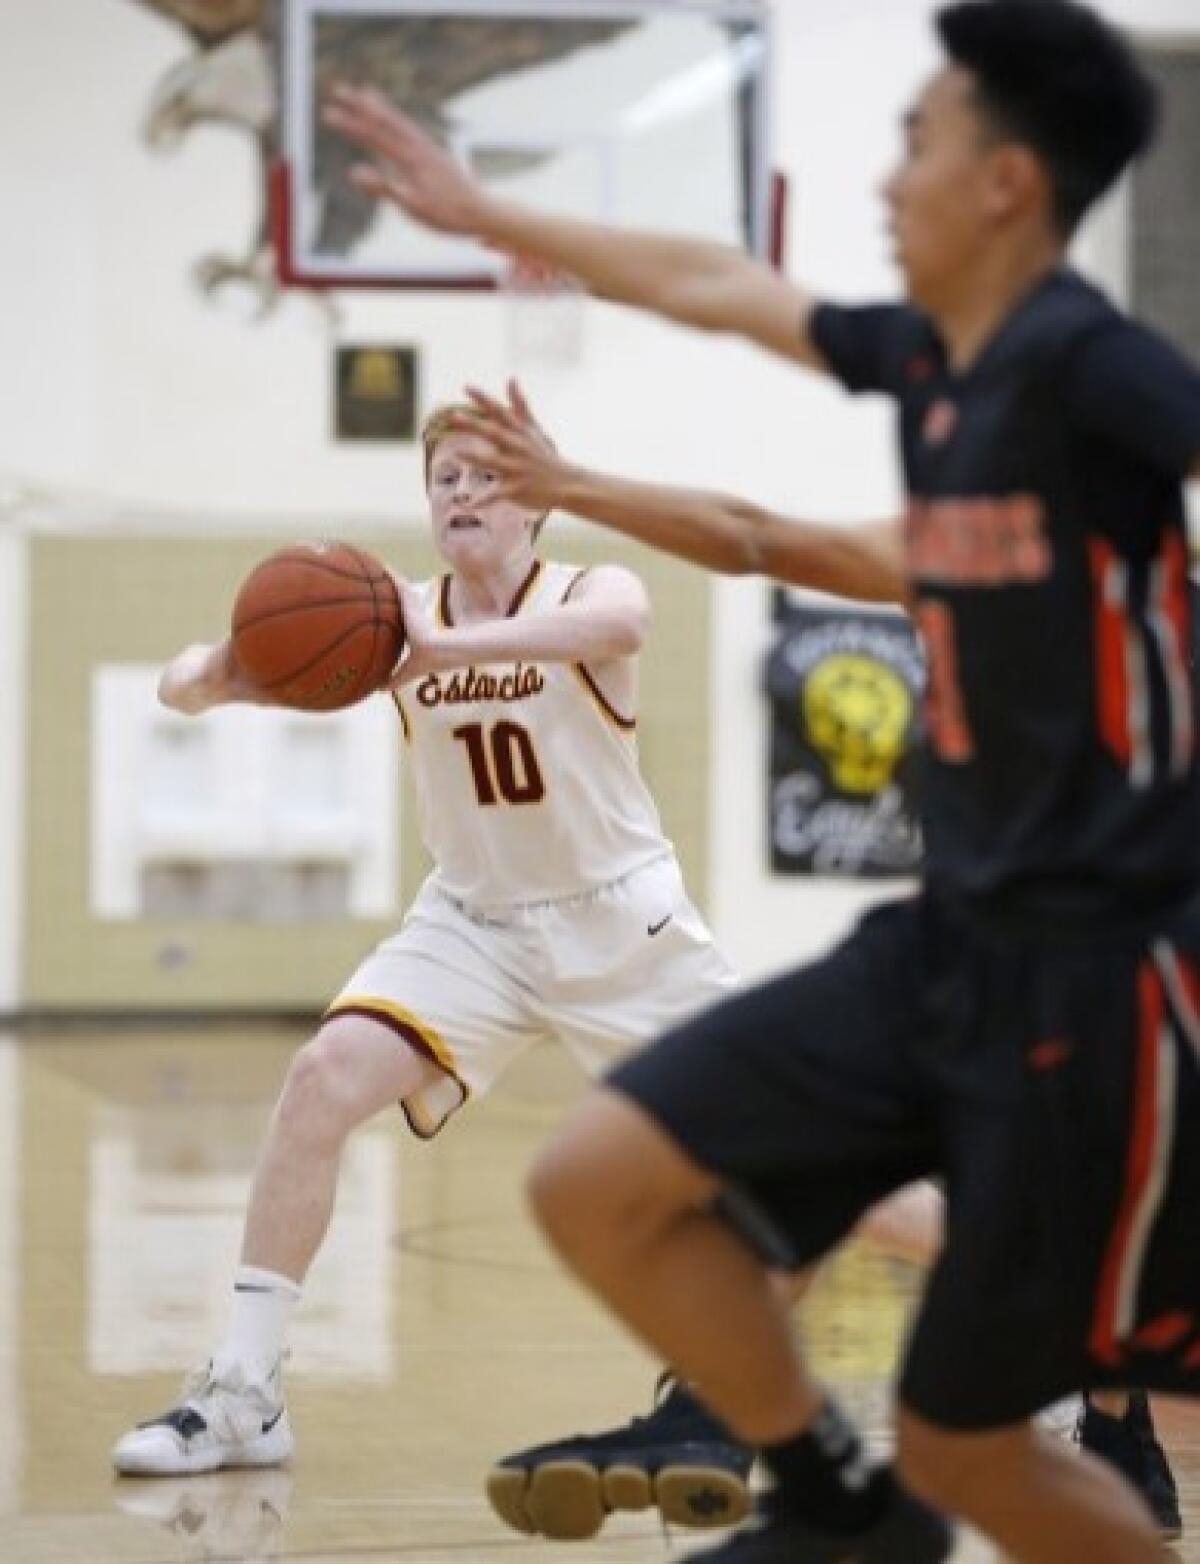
x=710, y=286
x=203, y=676
x=721, y=533
x=606, y=618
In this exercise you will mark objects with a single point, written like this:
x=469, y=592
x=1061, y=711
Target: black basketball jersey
x=1047, y=551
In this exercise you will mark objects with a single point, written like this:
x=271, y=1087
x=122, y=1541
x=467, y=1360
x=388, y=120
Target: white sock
x=258, y=1319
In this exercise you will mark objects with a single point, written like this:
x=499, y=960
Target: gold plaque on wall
x=376, y=393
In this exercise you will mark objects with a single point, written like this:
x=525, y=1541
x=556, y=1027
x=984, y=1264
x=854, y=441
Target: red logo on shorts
x=1049, y=1055
x=940, y=422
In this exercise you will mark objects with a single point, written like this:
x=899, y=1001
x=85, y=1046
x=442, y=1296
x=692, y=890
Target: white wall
x=116, y=378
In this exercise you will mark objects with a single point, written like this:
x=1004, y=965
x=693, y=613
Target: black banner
x=845, y=691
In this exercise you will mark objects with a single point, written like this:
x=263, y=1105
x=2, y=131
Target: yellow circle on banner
x=857, y=711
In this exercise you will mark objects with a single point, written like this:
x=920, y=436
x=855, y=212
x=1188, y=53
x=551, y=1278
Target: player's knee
x=318, y=1102
x=596, y=1189
x=569, y=1188
x=940, y=1466
x=922, y=1458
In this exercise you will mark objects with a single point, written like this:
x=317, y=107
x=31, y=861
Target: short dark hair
x=1053, y=75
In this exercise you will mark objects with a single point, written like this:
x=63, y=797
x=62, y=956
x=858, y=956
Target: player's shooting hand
x=421, y=637
x=515, y=447
x=204, y=676
x=409, y=167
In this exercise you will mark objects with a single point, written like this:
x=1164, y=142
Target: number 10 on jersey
x=503, y=763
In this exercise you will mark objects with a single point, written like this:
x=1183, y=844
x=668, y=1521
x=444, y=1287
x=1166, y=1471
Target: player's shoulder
x=880, y=346
x=428, y=588
x=1063, y=312
x=1081, y=344
x=579, y=582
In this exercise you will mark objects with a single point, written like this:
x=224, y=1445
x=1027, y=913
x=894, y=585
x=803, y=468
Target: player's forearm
x=692, y=281
x=863, y=561
x=734, y=537
x=574, y=633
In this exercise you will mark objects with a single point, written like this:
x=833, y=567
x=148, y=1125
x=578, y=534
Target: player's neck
x=489, y=595
x=976, y=304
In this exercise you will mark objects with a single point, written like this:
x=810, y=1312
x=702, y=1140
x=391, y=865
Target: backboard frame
x=297, y=267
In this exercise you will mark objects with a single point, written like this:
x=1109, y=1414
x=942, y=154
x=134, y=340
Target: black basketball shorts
x=1051, y=1085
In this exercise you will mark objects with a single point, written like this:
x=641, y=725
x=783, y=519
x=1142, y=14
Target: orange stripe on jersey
x=1174, y=556
x=1111, y=627
x=603, y=704
x=1171, y=625
x=403, y=716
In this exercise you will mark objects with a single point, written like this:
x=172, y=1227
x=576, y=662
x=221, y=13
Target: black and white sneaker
x=226, y=1418
x=909, y=1532
x=1131, y=1445
x=680, y=1458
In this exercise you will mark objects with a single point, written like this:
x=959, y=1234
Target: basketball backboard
x=646, y=113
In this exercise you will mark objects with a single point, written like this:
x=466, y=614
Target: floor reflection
x=221, y=1515
x=435, y=1332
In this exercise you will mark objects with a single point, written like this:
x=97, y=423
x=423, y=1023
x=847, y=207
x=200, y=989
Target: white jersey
x=527, y=777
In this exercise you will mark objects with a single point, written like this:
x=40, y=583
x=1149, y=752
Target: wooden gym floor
x=435, y=1332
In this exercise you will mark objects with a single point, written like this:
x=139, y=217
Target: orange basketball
x=318, y=625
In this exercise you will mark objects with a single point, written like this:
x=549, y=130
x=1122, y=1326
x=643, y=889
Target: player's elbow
x=620, y=629
x=631, y=628
x=747, y=527
x=709, y=298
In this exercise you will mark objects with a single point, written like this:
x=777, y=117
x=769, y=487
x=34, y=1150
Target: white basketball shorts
x=603, y=973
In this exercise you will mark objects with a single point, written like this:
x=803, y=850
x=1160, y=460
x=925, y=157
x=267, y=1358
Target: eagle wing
x=423, y=64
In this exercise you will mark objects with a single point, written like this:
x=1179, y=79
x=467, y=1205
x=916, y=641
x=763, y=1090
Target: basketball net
x=543, y=314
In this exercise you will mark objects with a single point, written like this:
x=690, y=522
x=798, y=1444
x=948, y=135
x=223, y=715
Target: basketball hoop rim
x=280, y=217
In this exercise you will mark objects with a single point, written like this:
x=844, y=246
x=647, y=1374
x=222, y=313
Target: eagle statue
x=231, y=78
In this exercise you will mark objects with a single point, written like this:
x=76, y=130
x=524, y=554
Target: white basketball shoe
x=226, y=1418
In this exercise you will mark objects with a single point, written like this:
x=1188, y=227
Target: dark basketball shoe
x=680, y=1458
x=1130, y=1444
x=908, y=1533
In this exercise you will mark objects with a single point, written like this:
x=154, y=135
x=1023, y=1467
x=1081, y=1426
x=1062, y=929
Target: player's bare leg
x=1041, y=1501
x=352, y=1069
x=1115, y=1426
x=633, y=1216
x=1118, y=1427
x=232, y=1412
x=680, y=1457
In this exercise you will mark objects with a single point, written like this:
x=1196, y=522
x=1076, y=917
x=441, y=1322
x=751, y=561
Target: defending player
x=1029, y=1026
x=555, y=907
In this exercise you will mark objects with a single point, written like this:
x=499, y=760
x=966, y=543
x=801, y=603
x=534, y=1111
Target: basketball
x=318, y=626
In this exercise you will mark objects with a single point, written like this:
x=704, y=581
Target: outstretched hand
x=409, y=169
x=511, y=443
x=203, y=676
